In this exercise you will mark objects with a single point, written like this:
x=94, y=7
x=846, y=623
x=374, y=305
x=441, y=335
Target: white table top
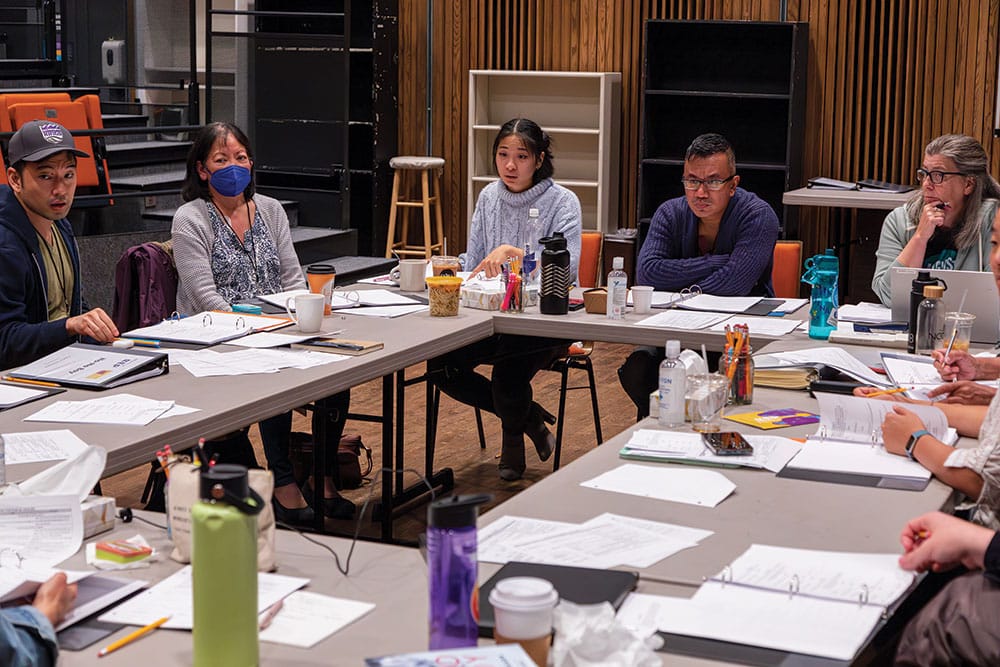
x=845, y=198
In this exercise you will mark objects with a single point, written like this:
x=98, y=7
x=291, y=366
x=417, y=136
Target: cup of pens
x=737, y=364
x=513, y=280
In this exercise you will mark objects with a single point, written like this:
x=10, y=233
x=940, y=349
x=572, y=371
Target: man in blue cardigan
x=41, y=308
x=717, y=236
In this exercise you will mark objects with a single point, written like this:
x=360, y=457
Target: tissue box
x=98, y=515
x=596, y=301
x=482, y=296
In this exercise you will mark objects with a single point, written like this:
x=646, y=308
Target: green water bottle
x=224, y=566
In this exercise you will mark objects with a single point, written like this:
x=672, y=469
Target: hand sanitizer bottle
x=673, y=378
x=617, y=290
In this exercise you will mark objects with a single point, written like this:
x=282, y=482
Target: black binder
x=582, y=585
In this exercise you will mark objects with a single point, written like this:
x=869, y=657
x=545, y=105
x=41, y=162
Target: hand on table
x=938, y=542
x=55, y=597
x=965, y=392
x=897, y=428
x=94, y=323
x=960, y=365
x=497, y=258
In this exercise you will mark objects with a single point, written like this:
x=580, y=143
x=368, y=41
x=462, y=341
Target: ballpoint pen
x=270, y=613
x=341, y=346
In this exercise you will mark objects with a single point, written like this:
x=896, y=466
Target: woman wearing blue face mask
x=231, y=244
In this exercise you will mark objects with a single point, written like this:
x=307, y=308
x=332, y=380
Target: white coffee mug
x=409, y=275
x=308, y=311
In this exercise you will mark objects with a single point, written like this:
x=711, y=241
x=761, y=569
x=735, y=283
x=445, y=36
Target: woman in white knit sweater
x=232, y=244
x=501, y=228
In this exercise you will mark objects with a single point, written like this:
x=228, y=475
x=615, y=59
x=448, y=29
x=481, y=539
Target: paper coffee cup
x=522, y=613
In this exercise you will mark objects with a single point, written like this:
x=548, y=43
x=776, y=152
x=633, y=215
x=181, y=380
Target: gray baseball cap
x=39, y=139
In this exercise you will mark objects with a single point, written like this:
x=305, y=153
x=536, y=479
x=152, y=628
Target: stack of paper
x=819, y=603
x=813, y=358
x=606, y=541
x=770, y=452
x=115, y=409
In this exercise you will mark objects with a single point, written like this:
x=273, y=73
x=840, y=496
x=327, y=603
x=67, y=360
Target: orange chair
x=786, y=274
x=82, y=113
x=10, y=99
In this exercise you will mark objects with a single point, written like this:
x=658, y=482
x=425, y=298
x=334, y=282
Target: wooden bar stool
x=408, y=166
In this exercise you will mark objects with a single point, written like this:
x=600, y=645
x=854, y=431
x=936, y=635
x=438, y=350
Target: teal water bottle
x=224, y=569
x=821, y=273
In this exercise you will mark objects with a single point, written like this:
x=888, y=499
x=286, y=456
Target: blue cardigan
x=740, y=263
x=25, y=332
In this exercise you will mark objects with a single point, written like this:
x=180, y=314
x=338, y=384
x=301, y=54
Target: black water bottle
x=922, y=280
x=554, y=292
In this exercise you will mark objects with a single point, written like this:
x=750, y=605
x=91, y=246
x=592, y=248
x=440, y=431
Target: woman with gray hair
x=947, y=223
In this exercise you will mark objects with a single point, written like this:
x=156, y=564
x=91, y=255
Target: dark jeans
x=274, y=433
x=507, y=393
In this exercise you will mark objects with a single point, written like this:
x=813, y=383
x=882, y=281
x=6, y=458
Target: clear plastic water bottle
x=617, y=289
x=822, y=273
x=673, y=378
x=453, y=571
x=930, y=320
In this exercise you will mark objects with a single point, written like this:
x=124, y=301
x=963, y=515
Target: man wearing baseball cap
x=41, y=308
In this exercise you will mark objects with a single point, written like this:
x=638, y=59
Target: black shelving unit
x=323, y=131
x=744, y=80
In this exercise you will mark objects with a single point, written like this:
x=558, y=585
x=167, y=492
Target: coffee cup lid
x=321, y=268
x=524, y=594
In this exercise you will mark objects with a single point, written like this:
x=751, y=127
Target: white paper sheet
x=125, y=409
x=75, y=477
x=496, y=542
x=173, y=597
x=720, y=304
x=265, y=339
x=859, y=420
x=280, y=299
x=679, y=319
x=692, y=486
x=384, y=297
x=35, y=446
x=868, y=313
x=790, y=305
x=761, y=326
x=387, y=311
x=307, y=618
x=11, y=395
x=41, y=530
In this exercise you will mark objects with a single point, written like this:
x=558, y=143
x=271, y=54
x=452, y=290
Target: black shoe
x=299, y=516
x=512, y=457
x=337, y=507
x=544, y=441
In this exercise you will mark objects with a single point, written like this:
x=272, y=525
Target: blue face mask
x=230, y=181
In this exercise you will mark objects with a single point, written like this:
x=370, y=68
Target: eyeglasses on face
x=937, y=177
x=714, y=184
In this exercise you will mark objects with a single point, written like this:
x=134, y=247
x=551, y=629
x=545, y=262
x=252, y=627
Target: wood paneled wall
x=885, y=77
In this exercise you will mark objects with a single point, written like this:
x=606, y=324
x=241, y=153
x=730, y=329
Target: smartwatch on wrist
x=912, y=442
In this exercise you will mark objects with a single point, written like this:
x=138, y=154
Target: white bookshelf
x=580, y=111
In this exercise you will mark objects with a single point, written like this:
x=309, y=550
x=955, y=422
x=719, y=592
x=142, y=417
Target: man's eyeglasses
x=937, y=177
x=714, y=184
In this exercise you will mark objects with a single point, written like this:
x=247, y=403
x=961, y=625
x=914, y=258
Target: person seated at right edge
x=946, y=224
x=958, y=625
x=718, y=236
x=973, y=471
x=232, y=243
x=522, y=156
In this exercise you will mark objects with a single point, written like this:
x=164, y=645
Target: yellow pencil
x=885, y=392
x=39, y=383
x=132, y=637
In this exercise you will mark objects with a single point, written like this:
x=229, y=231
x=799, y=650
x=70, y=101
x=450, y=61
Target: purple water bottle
x=453, y=571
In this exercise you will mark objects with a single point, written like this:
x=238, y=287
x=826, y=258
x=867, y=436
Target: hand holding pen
x=938, y=542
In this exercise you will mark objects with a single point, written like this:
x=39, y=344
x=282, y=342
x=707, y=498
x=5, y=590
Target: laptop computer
x=982, y=299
